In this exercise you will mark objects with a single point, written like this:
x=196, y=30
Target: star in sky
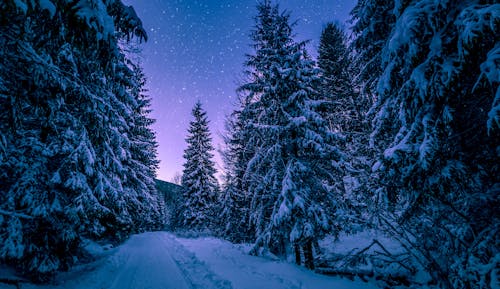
x=196, y=50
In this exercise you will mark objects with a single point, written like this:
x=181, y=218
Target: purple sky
x=196, y=50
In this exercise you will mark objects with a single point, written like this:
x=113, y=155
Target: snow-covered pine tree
x=198, y=179
x=337, y=85
x=437, y=130
x=345, y=112
x=143, y=145
x=66, y=108
x=373, y=21
x=235, y=200
x=292, y=162
x=143, y=163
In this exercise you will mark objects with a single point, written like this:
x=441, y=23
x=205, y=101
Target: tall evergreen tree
x=337, y=81
x=142, y=162
x=66, y=113
x=198, y=179
x=291, y=143
x=235, y=214
x=436, y=129
x=345, y=112
x=373, y=22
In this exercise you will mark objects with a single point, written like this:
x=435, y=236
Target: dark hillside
x=172, y=195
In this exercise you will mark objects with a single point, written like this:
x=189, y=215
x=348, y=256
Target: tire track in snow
x=147, y=264
x=146, y=261
x=194, y=270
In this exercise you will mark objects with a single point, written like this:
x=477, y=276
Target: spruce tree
x=291, y=143
x=142, y=162
x=234, y=216
x=373, y=22
x=436, y=130
x=345, y=112
x=66, y=113
x=198, y=179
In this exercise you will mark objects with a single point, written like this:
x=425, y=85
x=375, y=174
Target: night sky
x=196, y=50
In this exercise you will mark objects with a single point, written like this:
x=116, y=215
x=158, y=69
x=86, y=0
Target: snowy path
x=160, y=260
x=145, y=261
x=146, y=267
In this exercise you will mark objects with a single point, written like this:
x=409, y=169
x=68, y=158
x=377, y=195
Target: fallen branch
x=349, y=265
x=366, y=275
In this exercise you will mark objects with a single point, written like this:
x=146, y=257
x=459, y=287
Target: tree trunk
x=308, y=255
x=298, y=261
x=316, y=248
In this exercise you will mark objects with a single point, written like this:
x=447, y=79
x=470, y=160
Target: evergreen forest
x=394, y=127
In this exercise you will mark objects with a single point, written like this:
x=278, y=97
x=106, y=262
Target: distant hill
x=172, y=195
x=169, y=190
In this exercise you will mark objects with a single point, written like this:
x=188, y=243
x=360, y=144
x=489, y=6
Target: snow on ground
x=348, y=244
x=232, y=263
x=369, y=252
x=160, y=260
x=144, y=261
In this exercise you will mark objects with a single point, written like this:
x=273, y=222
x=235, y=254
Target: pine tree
x=373, y=22
x=67, y=109
x=198, y=179
x=345, y=112
x=436, y=129
x=291, y=143
x=142, y=163
x=235, y=201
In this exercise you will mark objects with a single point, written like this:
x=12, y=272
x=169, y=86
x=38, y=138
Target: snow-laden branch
x=15, y=214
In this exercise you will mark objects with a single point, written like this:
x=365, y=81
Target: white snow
x=348, y=244
x=160, y=260
x=232, y=263
x=21, y=5
x=363, y=251
x=491, y=69
x=49, y=6
x=144, y=261
x=94, y=14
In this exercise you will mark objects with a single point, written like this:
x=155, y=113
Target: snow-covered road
x=145, y=267
x=159, y=260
